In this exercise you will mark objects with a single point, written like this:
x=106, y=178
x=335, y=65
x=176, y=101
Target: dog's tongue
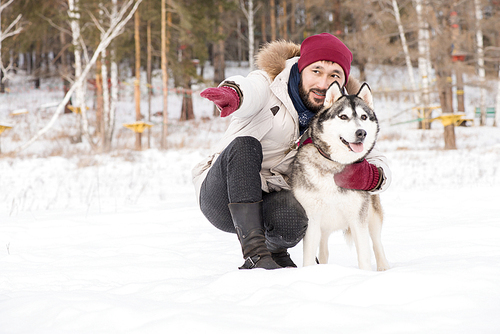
x=356, y=147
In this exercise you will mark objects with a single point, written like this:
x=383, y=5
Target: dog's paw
x=383, y=267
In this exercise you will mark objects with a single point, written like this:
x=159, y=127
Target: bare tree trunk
x=497, y=107
x=251, y=29
x=149, y=77
x=114, y=86
x=38, y=64
x=5, y=33
x=460, y=87
x=219, y=55
x=293, y=25
x=308, y=18
x=99, y=100
x=137, y=86
x=106, y=123
x=187, y=111
x=273, y=19
x=443, y=68
x=64, y=67
x=409, y=66
x=480, y=60
x=457, y=61
x=446, y=98
x=423, y=66
x=284, y=20
x=165, y=40
x=113, y=97
x=240, y=38
x=219, y=51
x=249, y=14
x=337, y=23
x=263, y=27
x=79, y=104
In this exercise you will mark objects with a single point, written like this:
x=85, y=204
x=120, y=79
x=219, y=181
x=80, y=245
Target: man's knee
x=246, y=145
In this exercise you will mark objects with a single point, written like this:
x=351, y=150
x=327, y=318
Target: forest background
x=91, y=46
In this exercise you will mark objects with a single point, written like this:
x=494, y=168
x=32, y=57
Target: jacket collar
x=279, y=87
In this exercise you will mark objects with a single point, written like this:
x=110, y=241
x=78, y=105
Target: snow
x=116, y=244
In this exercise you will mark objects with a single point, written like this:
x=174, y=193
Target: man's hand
x=225, y=98
x=360, y=176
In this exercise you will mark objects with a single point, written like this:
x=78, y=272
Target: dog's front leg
x=375, y=228
x=311, y=243
x=362, y=241
x=323, y=248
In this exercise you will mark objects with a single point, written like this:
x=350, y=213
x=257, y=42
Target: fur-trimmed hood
x=272, y=58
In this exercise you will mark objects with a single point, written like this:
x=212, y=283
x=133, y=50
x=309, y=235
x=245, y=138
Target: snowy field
x=116, y=243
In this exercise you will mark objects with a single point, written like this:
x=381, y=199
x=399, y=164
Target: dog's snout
x=360, y=134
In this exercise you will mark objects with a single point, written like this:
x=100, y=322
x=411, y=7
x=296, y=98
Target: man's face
x=315, y=80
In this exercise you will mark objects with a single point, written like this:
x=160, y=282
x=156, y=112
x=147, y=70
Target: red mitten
x=226, y=98
x=360, y=176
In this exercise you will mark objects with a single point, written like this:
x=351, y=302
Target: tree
x=273, y=19
x=79, y=104
x=117, y=23
x=423, y=60
x=409, y=65
x=165, y=42
x=480, y=60
x=250, y=14
x=137, y=82
x=8, y=32
x=441, y=55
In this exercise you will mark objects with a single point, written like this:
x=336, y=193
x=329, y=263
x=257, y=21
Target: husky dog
x=342, y=133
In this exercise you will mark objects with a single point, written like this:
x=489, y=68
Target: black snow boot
x=247, y=219
x=283, y=259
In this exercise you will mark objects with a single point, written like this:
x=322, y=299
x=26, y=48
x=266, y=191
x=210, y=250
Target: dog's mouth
x=355, y=147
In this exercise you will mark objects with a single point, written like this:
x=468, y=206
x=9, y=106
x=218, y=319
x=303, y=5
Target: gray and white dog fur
x=342, y=133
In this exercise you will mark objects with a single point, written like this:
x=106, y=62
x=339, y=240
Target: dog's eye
x=344, y=117
x=364, y=117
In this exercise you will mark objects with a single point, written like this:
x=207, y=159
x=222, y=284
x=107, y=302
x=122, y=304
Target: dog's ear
x=365, y=93
x=333, y=93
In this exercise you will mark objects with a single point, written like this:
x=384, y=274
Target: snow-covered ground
x=116, y=244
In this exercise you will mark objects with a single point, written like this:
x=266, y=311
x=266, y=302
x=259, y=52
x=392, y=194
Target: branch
x=97, y=23
x=5, y=5
x=55, y=25
x=6, y=33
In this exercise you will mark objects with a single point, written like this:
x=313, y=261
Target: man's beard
x=304, y=96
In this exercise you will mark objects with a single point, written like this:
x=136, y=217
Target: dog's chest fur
x=325, y=203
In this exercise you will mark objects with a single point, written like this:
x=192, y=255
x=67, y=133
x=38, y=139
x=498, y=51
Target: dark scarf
x=305, y=115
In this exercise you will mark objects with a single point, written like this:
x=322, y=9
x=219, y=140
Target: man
x=242, y=187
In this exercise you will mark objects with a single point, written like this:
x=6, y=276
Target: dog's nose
x=360, y=134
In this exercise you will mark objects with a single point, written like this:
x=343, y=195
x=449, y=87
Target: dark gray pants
x=235, y=178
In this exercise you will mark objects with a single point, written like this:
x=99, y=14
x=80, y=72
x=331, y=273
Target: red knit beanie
x=325, y=47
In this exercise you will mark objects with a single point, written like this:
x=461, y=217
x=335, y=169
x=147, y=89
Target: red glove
x=360, y=176
x=226, y=98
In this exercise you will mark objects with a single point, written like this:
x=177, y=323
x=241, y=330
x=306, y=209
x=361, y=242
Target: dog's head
x=346, y=128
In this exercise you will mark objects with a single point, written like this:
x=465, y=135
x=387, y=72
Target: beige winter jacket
x=267, y=113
